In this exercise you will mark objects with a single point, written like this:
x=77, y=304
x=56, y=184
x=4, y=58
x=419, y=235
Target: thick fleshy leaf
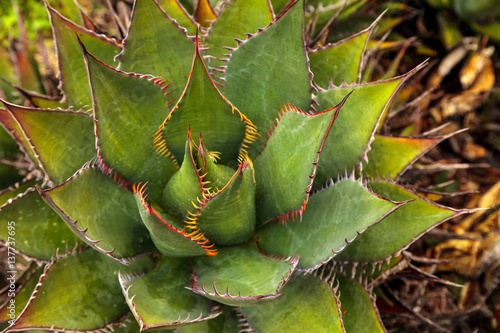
x=347, y=145
x=12, y=309
x=241, y=276
x=157, y=45
x=260, y=77
x=340, y=61
x=159, y=298
x=101, y=212
x=333, y=218
x=358, y=311
x=171, y=236
x=39, y=231
x=216, y=175
x=16, y=189
x=227, y=217
x=72, y=72
x=306, y=302
x=88, y=282
x=62, y=140
x=204, y=110
x=398, y=230
x=390, y=156
x=226, y=322
x=185, y=186
x=236, y=18
x=284, y=179
x=177, y=12
x=127, y=111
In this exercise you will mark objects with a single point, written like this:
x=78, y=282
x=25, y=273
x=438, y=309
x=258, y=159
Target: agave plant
x=212, y=181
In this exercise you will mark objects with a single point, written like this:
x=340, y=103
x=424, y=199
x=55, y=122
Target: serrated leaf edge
x=294, y=260
x=195, y=235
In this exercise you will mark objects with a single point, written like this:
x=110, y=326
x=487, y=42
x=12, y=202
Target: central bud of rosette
x=213, y=198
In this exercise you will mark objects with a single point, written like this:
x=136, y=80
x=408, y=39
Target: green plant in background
x=207, y=184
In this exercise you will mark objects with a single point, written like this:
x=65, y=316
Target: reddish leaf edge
x=194, y=235
x=51, y=11
x=294, y=260
x=192, y=218
x=287, y=108
x=11, y=109
x=125, y=278
x=160, y=143
x=74, y=224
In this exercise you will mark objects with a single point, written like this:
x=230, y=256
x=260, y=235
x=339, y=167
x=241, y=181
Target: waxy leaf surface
x=306, y=302
x=159, y=298
x=248, y=276
x=285, y=169
x=226, y=322
x=97, y=209
x=128, y=110
x=88, y=282
x=156, y=45
x=72, y=71
x=358, y=311
x=62, y=140
x=397, y=230
x=204, y=110
x=338, y=62
x=332, y=217
x=260, y=76
x=168, y=233
x=389, y=156
x=23, y=295
x=228, y=217
x=348, y=142
x=177, y=12
x=237, y=18
x=185, y=186
x=39, y=231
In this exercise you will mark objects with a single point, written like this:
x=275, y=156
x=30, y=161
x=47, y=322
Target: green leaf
x=170, y=235
x=340, y=61
x=391, y=156
x=284, y=179
x=306, y=302
x=88, y=282
x=10, y=125
x=398, y=230
x=159, y=298
x=226, y=322
x=204, y=110
x=241, y=276
x=72, y=72
x=156, y=45
x=62, y=140
x=216, y=175
x=359, y=313
x=128, y=110
x=38, y=230
x=16, y=189
x=260, y=77
x=348, y=143
x=333, y=218
x=236, y=18
x=15, y=305
x=175, y=10
x=185, y=186
x=101, y=212
x=227, y=217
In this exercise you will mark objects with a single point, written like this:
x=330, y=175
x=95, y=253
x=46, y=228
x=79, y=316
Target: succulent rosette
x=219, y=177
